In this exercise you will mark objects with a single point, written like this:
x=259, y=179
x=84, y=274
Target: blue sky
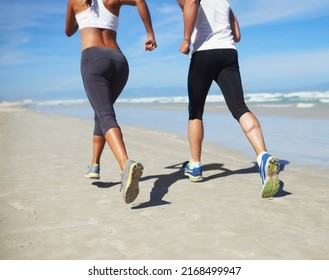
x=284, y=47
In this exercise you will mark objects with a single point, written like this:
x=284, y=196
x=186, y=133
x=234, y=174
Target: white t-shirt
x=212, y=29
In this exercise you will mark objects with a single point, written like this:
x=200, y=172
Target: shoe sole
x=131, y=190
x=194, y=179
x=272, y=183
x=92, y=176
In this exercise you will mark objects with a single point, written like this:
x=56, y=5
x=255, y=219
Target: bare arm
x=235, y=27
x=71, y=25
x=190, y=12
x=150, y=43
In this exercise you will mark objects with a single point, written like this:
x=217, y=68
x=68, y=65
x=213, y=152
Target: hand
x=150, y=44
x=185, y=47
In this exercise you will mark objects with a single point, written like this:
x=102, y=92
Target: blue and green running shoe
x=269, y=170
x=194, y=174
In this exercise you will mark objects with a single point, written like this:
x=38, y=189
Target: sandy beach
x=49, y=211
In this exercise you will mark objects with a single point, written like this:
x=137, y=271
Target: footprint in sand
x=19, y=207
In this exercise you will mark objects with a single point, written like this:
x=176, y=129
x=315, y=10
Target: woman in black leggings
x=212, y=28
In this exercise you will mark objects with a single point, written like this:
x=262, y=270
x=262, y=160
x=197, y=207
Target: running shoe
x=194, y=174
x=130, y=180
x=93, y=171
x=269, y=170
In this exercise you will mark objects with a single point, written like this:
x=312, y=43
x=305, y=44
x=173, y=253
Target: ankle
x=194, y=164
x=260, y=156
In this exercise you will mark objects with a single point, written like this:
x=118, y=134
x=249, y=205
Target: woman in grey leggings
x=104, y=71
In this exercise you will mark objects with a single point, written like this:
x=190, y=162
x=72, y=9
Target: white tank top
x=97, y=16
x=212, y=29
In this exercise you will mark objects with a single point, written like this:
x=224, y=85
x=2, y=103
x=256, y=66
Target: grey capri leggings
x=221, y=66
x=104, y=73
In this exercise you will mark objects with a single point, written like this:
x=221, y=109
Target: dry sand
x=48, y=210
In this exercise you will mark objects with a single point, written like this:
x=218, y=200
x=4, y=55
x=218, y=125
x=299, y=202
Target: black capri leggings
x=221, y=66
x=104, y=73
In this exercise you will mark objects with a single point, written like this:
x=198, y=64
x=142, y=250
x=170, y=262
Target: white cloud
x=30, y=14
x=259, y=11
x=32, y=37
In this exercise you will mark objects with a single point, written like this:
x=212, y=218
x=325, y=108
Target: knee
x=195, y=113
x=195, y=117
x=98, y=139
x=98, y=131
x=238, y=111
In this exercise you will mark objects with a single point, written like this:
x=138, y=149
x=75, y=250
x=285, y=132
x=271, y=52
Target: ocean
x=300, y=139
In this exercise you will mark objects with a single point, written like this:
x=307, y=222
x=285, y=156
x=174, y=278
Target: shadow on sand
x=164, y=181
